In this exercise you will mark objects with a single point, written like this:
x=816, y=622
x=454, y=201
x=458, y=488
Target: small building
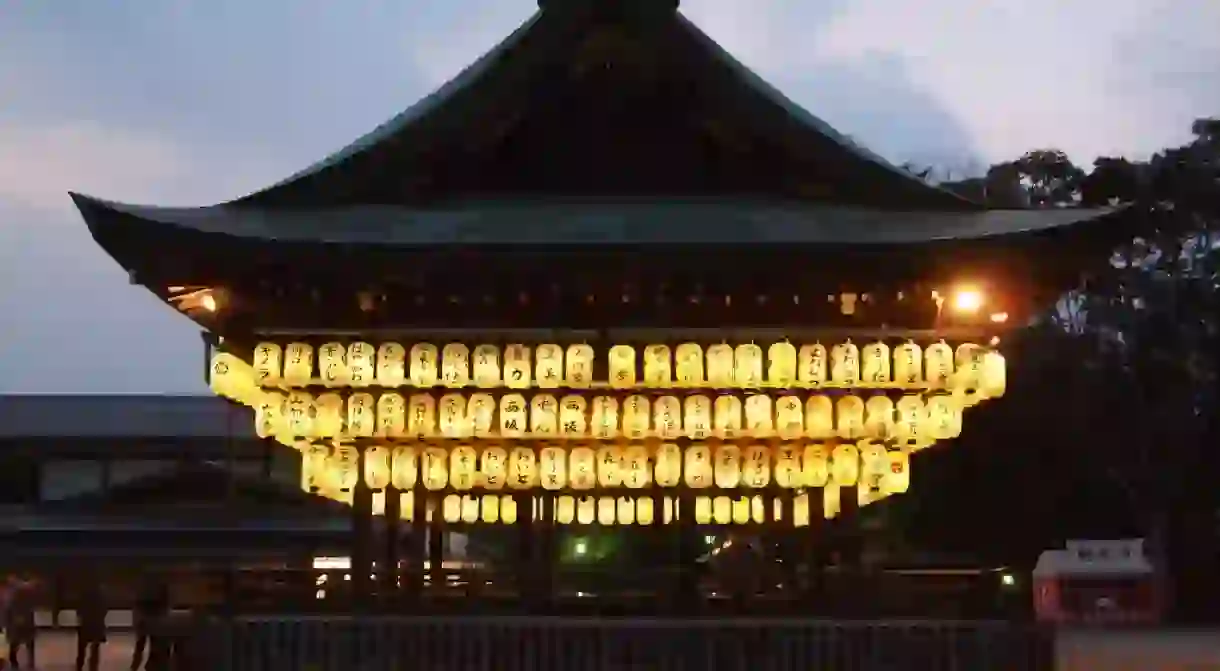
x=1094, y=581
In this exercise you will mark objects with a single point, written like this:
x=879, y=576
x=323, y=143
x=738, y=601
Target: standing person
x=90, y=625
x=19, y=622
x=152, y=607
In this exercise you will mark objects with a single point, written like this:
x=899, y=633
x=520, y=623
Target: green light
x=581, y=547
x=1007, y=580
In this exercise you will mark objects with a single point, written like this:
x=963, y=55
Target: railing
x=522, y=643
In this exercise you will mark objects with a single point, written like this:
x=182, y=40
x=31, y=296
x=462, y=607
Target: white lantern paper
x=361, y=364
x=879, y=417
x=748, y=366
x=849, y=417
x=626, y=510
x=493, y=468
x=424, y=360
x=908, y=364
x=697, y=466
x=514, y=417
x=522, y=468
x=845, y=364
x=727, y=466
x=330, y=417
x=490, y=509
x=781, y=364
x=404, y=470
x=548, y=366
x=875, y=363
x=760, y=418
x=756, y=466
x=689, y=359
x=874, y=462
x=722, y=510
x=636, y=417
x=605, y=417
x=844, y=465
x=269, y=415
x=434, y=469
x=377, y=467
x=622, y=366
x=898, y=479
x=667, y=417
x=332, y=364
x=609, y=466
x=968, y=361
x=634, y=466
x=421, y=415
x=455, y=365
x=485, y=366
x=298, y=364
x=552, y=468
x=720, y=366
x=811, y=369
x=572, y=416
x=815, y=466
x=544, y=416
x=579, y=366
x=944, y=417
x=994, y=375
x=346, y=462
x=517, y=366
x=938, y=365
x=658, y=369
x=582, y=465
x=606, y=510
x=463, y=467
x=697, y=417
x=314, y=467
x=481, y=415
x=268, y=363
x=668, y=467
x=644, y=513
x=831, y=501
x=788, y=467
x=912, y=421
x=300, y=413
x=453, y=423
x=789, y=417
x=361, y=415
x=391, y=364
x=726, y=417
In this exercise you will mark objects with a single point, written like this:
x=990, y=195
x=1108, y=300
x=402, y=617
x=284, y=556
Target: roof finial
x=633, y=6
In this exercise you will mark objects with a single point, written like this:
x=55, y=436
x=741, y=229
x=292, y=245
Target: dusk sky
x=182, y=102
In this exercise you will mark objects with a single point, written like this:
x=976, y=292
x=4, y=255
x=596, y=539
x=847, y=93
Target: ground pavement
x=57, y=651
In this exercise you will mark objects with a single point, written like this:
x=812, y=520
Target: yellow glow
x=208, y=302
x=967, y=301
x=999, y=317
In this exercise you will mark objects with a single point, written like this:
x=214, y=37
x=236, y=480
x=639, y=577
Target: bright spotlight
x=208, y=301
x=967, y=300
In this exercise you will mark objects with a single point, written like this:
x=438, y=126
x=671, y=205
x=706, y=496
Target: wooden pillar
x=546, y=555
x=525, y=546
x=389, y=545
x=688, y=542
x=813, y=551
x=436, y=547
x=413, y=581
x=362, y=535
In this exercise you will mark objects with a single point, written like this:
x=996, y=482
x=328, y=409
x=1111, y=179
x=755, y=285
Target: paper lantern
x=424, y=360
x=697, y=417
x=421, y=415
x=634, y=466
x=404, y=471
x=455, y=365
x=726, y=417
x=268, y=362
x=689, y=359
x=544, y=416
x=522, y=468
x=299, y=414
x=703, y=510
x=845, y=364
x=874, y=462
x=636, y=412
x=332, y=364
x=582, y=468
x=452, y=411
x=377, y=467
x=313, y=468
x=607, y=510
x=658, y=369
x=727, y=466
x=391, y=364
x=720, y=366
x=626, y=510
x=844, y=465
x=609, y=466
x=330, y=416
x=298, y=364
x=548, y=366
x=667, y=417
x=572, y=416
x=994, y=379
x=604, y=417
x=552, y=467
x=800, y=510
x=463, y=467
x=875, y=363
x=517, y=366
x=944, y=417
x=722, y=510
x=493, y=468
x=667, y=471
x=879, y=417
x=849, y=417
x=391, y=415
x=789, y=417
x=514, y=417
x=697, y=466
x=815, y=465
x=819, y=417
x=490, y=509
x=645, y=514
x=968, y=362
x=756, y=466
x=481, y=415
x=741, y=510
x=938, y=365
x=579, y=366
x=361, y=415
x=508, y=510
x=485, y=366
x=233, y=378
x=269, y=415
x=787, y=467
x=912, y=419
x=470, y=509
x=908, y=365
x=435, y=468
x=361, y=364
x=622, y=366
x=748, y=366
x=568, y=510
x=346, y=462
x=811, y=365
x=451, y=508
x=781, y=364
x=897, y=479
x=760, y=418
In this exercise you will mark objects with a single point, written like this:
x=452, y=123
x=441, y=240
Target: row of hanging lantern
x=463, y=468
x=912, y=419
x=721, y=366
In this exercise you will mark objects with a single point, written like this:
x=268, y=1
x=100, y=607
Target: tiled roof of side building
x=118, y=416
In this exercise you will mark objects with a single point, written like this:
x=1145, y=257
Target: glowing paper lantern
x=908, y=365
x=361, y=364
x=727, y=466
x=658, y=369
x=844, y=465
x=391, y=415
x=748, y=366
x=819, y=417
x=845, y=364
x=552, y=466
x=269, y=415
x=849, y=417
x=391, y=364
x=514, y=417
x=377, y=467
x=569, y=510
x=300, y=413
x=572, y=417
x=703, y=510
x=994, y=379
x=522, y=468
x=544, y=415
x=898, y=479
x=424, y=359
x=912, y=421
x=451, y=508
x=756, y=466
x=346, y=462
x=968, y=362
x=698, y=466
x=268, y=363
x=493, y=468
x=811, y=368
x=667, y=417
x=313, y=468
x=455, y=365
x=404, y=471
x=463, y=467
x=480, y=415
x=815, y=466
x=361, y=415
x=582, y=467
x=726, y=417
x=760, y=418
x=508, y=510
x=490, y=513
x=605, y=417
x=875, y=363
x=874, y=462
x=636, y=417
x=330, y=417
x=626, y=510
x=609, y=466
x=781, y=364
x=470, y=509
x=697, y=417
x=944, y=417
x=606, y=510
x=788, y=467
x=879, y=417
x=421, y=415
x=720, y=368
x=548, y=366
x=485, y=367
x=332, y=364
x=434, y=467
x=668, y=467
x=789, y=417
x=517, y=367
x=741, y=510
x=722, y=510
x=298, y=364
x=622, y=366
x=938, y=365
x=452, y=411
x=800, y=510
x=645, y=514
x=579, y=366
x=634, y=466
x=689, y=357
